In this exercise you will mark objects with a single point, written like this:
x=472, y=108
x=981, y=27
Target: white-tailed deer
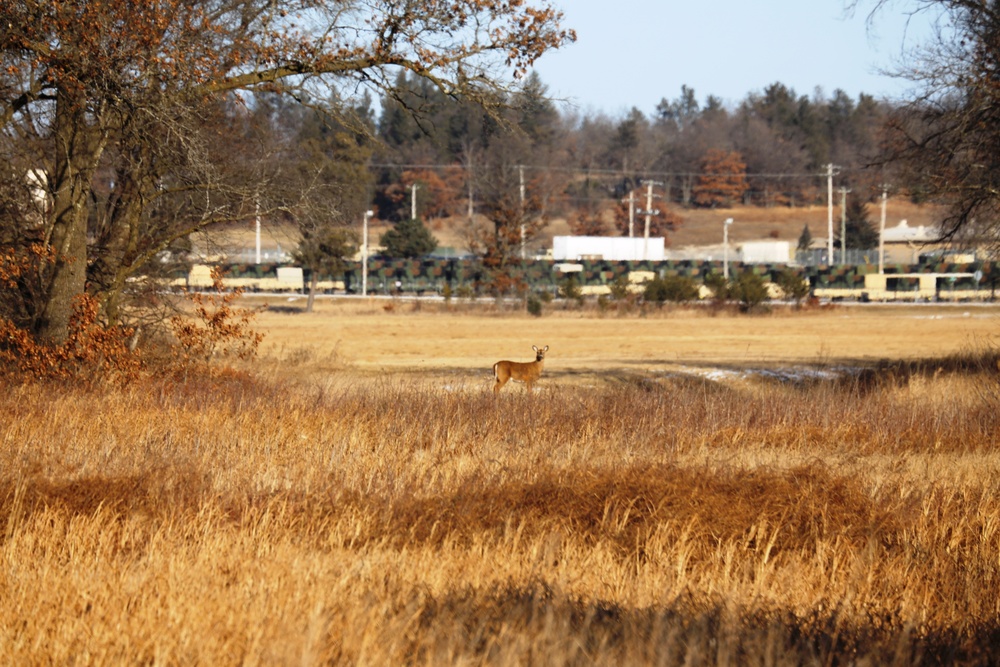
x=526, y=372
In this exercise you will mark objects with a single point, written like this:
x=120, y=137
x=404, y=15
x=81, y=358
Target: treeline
x=771, y=149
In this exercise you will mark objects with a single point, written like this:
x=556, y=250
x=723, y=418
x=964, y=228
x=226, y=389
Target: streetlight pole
x=843, y=225
x=829, y=213
x=725, y=248
x=364, y=253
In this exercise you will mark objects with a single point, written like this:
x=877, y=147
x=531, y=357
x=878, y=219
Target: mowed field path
x=368, y=338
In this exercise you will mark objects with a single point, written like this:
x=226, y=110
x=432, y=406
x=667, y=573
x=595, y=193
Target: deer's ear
x=535, y=348
x=545, y=349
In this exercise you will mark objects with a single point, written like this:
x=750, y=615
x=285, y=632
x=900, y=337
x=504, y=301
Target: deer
x=526, y=372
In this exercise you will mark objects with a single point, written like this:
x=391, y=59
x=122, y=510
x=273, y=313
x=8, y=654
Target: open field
x=358, y=497
x=378, y=336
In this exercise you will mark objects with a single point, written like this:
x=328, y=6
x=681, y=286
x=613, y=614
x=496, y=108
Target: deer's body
x=526, y=372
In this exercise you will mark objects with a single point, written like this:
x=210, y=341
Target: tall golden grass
x=246, y=519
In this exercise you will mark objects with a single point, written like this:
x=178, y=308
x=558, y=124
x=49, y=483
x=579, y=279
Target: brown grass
x=326, y=513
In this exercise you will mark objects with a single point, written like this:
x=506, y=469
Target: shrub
x=676, y=289
x=619, y=288
x=570, y=289
x=218, y=328
x=720, y=288
x=793, y=285
x=750, y=290
x=534, y=305
x=91, y=351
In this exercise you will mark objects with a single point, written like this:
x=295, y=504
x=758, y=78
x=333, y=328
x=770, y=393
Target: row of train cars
x=940, y=281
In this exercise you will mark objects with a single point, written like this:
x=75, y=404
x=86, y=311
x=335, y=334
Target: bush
x=534, y=305
x=619, y=288
x=720, y=288
x=676, y=289
x=793, y=285
x=750, y=290
x=570, y=289
x=217, y=328
x=92, y=351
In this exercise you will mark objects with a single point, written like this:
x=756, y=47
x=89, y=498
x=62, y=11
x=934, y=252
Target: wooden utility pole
x=829, y=211
x=843, y=225
x=631, y=212
x=649, y=213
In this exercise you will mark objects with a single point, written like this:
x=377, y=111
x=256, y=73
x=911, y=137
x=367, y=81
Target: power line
x=641, y=175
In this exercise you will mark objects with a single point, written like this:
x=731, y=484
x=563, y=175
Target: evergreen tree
x=408, y=239
x=861, y=234
x=323, y=251
x=805, y=239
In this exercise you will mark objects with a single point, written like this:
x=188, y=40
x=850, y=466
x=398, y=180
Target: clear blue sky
x=636, y=52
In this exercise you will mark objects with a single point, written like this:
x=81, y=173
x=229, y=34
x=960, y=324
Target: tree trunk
x=78, y=145
x=117, y=258
x=312, y=290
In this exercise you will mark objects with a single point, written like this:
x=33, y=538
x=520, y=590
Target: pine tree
x=861, y=234
x=409, y=239
x=805, y=239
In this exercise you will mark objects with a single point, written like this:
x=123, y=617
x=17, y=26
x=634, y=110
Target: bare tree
x=144, y=91
x=946, y=137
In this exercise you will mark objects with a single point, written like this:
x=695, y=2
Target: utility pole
x=649, y=213
x=881, y=231
x=725, y=248
x=520, y=174
x=829, y=210
x=413, y=201
x=843, y=225
x=631, y=212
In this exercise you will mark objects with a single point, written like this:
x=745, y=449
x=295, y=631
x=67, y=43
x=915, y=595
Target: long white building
x=611, y=248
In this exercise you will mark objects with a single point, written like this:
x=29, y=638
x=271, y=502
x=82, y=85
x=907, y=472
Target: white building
x=611, y=248
x=766, y=252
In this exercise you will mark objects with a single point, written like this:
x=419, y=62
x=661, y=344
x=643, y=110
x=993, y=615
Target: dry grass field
x=682, y=489
x=461, y=340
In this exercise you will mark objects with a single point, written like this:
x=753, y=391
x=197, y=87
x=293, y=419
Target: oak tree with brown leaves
x=722, y=180
x=137, y=102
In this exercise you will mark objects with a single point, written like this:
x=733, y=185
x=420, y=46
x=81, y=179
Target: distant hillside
x=704, y=226
x=701, y=226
